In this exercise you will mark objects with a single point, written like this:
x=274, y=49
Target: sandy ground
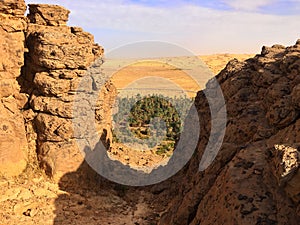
x=35, y=200
x=217, y=62
x=145, y=161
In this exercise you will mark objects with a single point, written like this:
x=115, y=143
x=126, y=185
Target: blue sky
x=201, y=26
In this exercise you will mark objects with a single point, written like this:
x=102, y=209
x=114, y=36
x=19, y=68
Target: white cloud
x=199, y=29
x=248, y=5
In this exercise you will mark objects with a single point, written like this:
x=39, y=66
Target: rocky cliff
x=255, y=178
x=13, y=142
x=42, y=94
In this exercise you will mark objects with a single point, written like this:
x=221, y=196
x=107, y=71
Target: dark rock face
x=255, y=176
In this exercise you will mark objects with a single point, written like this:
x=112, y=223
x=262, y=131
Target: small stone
x=242, y=197
x=257, y=172
x=10, y=194
x=30, y=209
x=41, y=192
x=143, y=162
x=25, y=194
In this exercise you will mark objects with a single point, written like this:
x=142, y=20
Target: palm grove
x=152, y=120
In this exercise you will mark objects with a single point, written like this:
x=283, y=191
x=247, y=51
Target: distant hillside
x=217, y=62
x=164, y=76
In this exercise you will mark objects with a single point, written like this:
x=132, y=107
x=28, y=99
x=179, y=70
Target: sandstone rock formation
x=13, y=142
x=37, y=101
x=48, y=15
x=255, y=176
x=58, y=58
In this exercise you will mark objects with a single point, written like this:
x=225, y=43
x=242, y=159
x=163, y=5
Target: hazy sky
x=203, y=27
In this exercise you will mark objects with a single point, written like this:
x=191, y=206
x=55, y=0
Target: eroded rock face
x=286, y=170
x=13, y=142
x=36, y=104
x=59, y=57
x=13, y=7
x=255, y=176
x=48, y=15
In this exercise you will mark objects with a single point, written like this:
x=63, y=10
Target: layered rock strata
x=58, y=57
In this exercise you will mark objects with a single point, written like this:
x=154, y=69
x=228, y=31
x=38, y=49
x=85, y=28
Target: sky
x=200, y=26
